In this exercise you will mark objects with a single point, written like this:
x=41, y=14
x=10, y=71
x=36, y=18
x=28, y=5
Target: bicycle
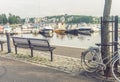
x=91, y=60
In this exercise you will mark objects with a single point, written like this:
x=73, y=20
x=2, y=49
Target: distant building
x=37, y=20
x=70, y=18
x=27, y=20
x=62, y=19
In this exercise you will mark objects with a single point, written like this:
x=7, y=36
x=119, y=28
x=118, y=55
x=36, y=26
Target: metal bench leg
x=31, y=52
x=15, y=49
x=51, y=55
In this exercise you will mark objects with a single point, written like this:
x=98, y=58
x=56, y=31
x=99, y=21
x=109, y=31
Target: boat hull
x=72, y=31
x=84, y=32
x=46, y=31
x=60, y=31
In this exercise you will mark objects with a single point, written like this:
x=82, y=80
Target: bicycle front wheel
x=116, y=70
x=90, y=60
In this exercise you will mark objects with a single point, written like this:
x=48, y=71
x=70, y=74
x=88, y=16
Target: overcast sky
x=40, y=8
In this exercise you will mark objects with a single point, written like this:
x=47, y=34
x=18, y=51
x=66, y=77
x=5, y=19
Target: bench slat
x=43, y=48
x=39, y=42
x=21, y=40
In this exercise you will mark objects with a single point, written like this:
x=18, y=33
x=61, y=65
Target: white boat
x=7, y=28
x=26, y=26
x=95, y=28
x=85, y=28
x=84, y=32
x=46, y=29
x=17, y=30
x=88, y=28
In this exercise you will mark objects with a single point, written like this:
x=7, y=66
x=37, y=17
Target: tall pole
x=8, y=42
x=116, y=38
x=105, y=39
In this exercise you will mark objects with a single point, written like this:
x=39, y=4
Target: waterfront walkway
x=66, y=66
x=68, y=51
x=16, y=71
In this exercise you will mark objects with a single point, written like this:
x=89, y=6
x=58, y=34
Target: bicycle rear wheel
x=116, y=71
x=90, y=60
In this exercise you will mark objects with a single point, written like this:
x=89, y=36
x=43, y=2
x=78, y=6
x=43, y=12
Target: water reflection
x=60, y=36
x=82, y=37
x=71, y=36
x=47, y=35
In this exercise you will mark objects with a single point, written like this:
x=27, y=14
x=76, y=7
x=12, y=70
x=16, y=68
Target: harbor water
x=68, y=40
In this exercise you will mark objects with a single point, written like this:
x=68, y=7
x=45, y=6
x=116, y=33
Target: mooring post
x=8, y=42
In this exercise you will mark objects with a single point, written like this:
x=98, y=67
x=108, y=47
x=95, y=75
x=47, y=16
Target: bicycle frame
x=96, y=62
x=102, y=59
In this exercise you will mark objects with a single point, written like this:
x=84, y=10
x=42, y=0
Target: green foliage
x=22, y=21
x=32, y=20
x=75, y=18
x=12, y=19
x=3, y=19
x=118, y=19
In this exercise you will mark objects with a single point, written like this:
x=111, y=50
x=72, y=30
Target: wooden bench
x=1, y=43
x=33, y=44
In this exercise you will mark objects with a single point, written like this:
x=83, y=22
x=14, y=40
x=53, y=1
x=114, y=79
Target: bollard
x=8, y=42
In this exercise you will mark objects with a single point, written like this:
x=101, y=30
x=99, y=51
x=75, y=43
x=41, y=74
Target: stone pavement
x=16, y=71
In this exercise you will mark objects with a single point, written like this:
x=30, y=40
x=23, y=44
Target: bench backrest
x=20, y=41
x=39, y=43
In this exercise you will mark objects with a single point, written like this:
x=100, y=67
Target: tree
x=18, y=19
x=12, y=19
x=105, y=39
x=32, y=20
x=3, y=19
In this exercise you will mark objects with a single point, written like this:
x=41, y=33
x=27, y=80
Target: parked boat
x=84, y=32
x=72, y=31
x=17, y=30
x=61, y=29
x=85, y=29
x=95, y=28
x=47, y=35
x=7, y=28
x=46, y=30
